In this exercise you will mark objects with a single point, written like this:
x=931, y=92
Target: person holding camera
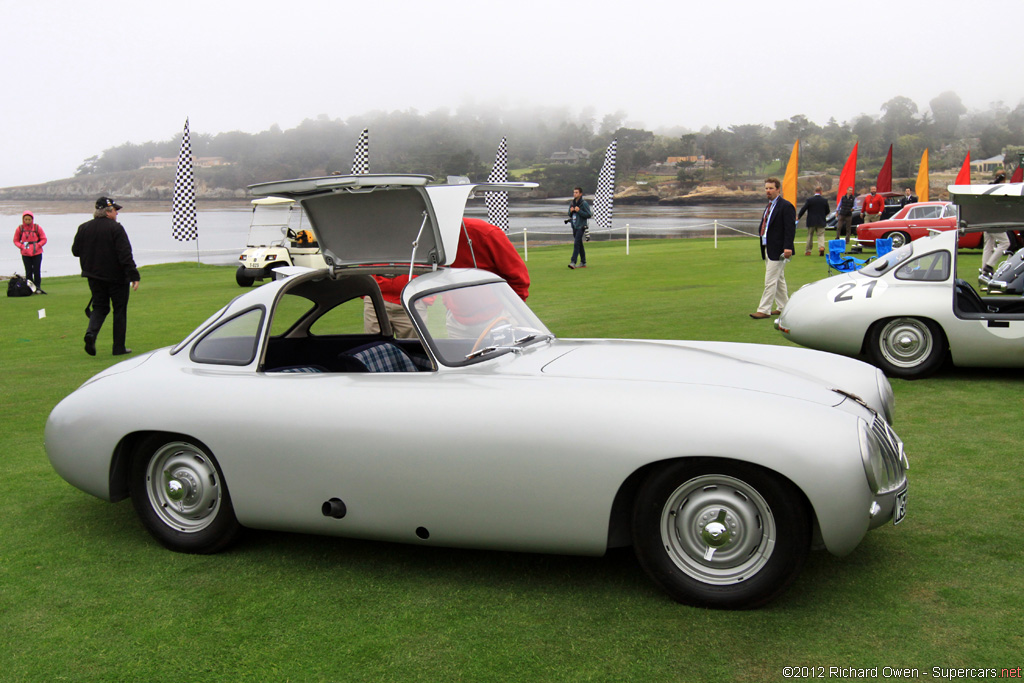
x=29, y=238
x=579, y=213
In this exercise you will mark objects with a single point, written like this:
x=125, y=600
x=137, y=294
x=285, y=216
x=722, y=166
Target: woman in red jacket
x=30, y=238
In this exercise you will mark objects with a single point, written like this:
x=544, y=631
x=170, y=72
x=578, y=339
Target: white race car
x=484, y=431
x=907, y=311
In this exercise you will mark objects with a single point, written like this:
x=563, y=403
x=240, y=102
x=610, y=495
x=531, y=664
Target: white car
x=485, y=431
x=907, y=312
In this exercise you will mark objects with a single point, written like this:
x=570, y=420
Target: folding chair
x=838, y=262
x=883, y=247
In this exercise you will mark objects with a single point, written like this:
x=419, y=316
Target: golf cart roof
x=989, y=206
x=383, y=219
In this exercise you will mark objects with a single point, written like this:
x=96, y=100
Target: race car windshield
x=469, y=324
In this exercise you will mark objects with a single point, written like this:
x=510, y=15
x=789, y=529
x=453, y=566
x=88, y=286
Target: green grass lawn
x=87, y=595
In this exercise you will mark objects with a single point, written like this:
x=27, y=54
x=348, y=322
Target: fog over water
x=224, y=227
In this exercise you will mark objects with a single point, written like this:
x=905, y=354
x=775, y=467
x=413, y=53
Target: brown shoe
x=807, y=253
x=821, y=251
x=776, y=312
x=759, y=315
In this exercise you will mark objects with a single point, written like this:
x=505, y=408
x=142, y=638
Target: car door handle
x=998, y=323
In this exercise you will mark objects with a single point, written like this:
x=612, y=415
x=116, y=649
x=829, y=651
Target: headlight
x=885, y=393
x=885, y=464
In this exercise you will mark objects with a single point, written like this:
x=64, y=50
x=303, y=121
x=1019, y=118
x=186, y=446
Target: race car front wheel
x=180, y=495
x=720, y=533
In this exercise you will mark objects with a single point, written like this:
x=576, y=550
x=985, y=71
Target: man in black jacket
x=844, y=215
x=105, y=254
x=816, y=208
x=778, y=228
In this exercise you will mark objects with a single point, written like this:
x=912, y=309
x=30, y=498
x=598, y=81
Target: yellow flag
x=921, y=189
x=789, y=180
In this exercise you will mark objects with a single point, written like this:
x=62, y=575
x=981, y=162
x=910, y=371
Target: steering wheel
x=487, y=330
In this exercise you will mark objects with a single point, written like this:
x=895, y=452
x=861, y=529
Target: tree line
x=443, y=143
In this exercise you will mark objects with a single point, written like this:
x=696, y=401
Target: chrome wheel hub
x=183, y=487
x=718, y=529
x=905, y=342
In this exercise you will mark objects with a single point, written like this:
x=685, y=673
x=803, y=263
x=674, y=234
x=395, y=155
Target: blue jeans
x=577, y=245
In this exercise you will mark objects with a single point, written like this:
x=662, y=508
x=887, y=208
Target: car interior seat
x=382, y=356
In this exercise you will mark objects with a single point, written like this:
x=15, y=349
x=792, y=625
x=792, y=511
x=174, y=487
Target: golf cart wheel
x=242, y=279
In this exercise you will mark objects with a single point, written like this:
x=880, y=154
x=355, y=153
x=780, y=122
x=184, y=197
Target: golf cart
x=274, y=243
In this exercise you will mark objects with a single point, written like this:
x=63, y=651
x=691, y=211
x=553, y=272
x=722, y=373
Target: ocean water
x=224, y=227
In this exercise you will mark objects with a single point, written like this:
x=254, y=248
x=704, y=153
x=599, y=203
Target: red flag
x=964, y=176
x=884, y=182
x=1018, y=175
x=848, y=178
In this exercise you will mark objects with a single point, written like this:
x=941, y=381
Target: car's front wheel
x=724, y=534
x=907, y=347
x=179, y=493
x=898, y=238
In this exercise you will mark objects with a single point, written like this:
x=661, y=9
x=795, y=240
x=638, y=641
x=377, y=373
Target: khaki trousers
x=774, y=286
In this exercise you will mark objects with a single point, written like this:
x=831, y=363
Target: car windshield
x=469, y=324
x=889, y=261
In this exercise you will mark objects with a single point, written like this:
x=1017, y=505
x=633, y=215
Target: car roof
x=383, y=218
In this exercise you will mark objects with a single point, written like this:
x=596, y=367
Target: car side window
x=345, y=318
x=933, y=267
x=233, y=342
x=949, y=211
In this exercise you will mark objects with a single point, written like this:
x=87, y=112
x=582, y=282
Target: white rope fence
x=628, y=230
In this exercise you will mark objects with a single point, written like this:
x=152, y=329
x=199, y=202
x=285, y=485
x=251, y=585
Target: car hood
x=735, y=366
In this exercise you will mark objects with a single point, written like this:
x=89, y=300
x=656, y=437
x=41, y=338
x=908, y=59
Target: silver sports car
x=908, y=311
x=484, y=431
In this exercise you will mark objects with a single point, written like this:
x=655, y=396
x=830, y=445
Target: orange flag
x=964, y=176
x=921, y=189
x=789, y=180
x=848, y=178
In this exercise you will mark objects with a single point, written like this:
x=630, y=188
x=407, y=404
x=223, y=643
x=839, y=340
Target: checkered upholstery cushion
x=383, y=357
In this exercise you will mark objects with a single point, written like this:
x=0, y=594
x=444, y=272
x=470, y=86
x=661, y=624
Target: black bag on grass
x=19, y=286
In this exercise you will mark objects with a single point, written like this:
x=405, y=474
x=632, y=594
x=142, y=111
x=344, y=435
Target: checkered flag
x=497, y=202
x=361, y=161
x=184, y=227
x=605, y=190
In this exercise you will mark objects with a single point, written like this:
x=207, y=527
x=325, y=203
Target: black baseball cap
x=106, y=203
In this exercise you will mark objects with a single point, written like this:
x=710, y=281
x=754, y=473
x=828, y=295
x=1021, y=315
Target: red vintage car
x=914, y=221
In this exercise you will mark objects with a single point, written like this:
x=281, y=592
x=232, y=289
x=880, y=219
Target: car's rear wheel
x=724, y=534
x=898, y=238
x=180, y=495
x=907, y=347
x=242, y=279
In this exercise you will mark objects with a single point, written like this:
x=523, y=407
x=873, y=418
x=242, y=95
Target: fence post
x=627, y=239
x=716, y=233
x=526, y=247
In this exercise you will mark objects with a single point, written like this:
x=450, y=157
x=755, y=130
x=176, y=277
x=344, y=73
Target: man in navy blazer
x=778, y=228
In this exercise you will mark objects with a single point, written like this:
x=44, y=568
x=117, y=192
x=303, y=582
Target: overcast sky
x=82, y=77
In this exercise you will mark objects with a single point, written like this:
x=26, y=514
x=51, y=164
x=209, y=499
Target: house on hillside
x=198, y=162
x=575, y=155
x=987, y=166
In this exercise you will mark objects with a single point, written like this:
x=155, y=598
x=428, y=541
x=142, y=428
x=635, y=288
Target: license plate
x=900, y=509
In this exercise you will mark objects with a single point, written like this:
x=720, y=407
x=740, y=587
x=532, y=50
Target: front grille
x=896, y=464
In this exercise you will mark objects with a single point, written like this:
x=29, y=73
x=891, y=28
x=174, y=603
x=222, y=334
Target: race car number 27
x=849, y=291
